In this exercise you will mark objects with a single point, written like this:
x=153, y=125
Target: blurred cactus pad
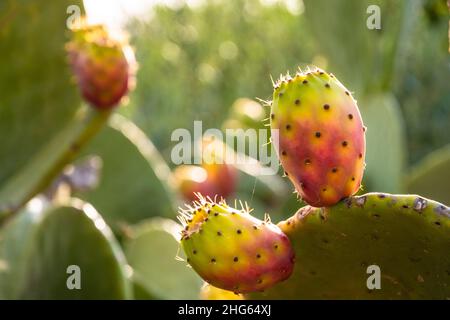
x=89, y=197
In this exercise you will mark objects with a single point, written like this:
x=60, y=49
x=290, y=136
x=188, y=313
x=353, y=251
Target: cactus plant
x=152, y=247
x=38, y=247
x=104, y=67
x=133, y=168
x=431, y=175
x=407, y=236
x=321, y=141
x=233, y=250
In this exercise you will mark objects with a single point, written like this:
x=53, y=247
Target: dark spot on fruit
x=321, y=72
x=326, y=106
x=286, y=174
x=360, y=155
x=239, y=231
x=297, y=102
x=364, y=129
x=209, y=211
x=344, y=143
x=194, y=252
x=334, y=170
x=327, y=85
x=255, y=227
x=325, y=240
x=216, y=214
x=347, y=93
x=437, y=223
x=288, y=223
x=353, y=178
x=376, y=215
x=188, y=260
x=275, y=247
x=288, y=127
x=206, y=220
x=318, y=134
x=405, y=206
x=272, y=116
x=219, y=233
x=305, y=81
x=307, y=161
x=259, y=280
x=324, y=189
x=331, y=75
x=235, y=259
x=283, y=153
x=258, y=256
x=190, y=220
x=350, y=116
x=213, y=260
x=280, y=94
x=232, y=212
x=381, y=196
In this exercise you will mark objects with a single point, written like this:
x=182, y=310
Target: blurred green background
x=195, y=61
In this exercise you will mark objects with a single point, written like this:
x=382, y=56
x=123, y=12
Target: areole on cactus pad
x=319, y=136
x=233, y=250
x=104, y=67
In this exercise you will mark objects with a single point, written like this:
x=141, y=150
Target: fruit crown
x=193, y=216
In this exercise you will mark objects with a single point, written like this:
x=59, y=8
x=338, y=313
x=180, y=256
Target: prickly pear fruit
x=321, y=139
x=232, y=250
x=209, y=292
x=103, y=67
x=210, y=180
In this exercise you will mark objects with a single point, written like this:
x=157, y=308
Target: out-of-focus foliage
x=152, y=249
x=208, y=57
x=40, y=128
x=431, y=176
x=134, y=183
x=39, y=246
x=223, y=50
x=385, y=141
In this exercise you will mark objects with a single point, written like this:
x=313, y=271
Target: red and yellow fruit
x=232, y=250
x=103, y=67
x=321, y=139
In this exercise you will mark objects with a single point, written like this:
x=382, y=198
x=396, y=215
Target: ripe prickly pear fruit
x=210, y=180
x=321, y=135
x=209, y=292
x=232, y=250
x=103, y=67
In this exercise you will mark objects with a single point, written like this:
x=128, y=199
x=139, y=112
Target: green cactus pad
x=386, y=143
x=431, y=176
x=407, y=236
x=133, y=168
x=41, y=110
x=38, y=248
x=151, y=249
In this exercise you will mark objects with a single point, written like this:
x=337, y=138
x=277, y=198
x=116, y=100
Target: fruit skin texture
x=104, y=68
x=210, y=180
x=232, y=250
x=321, y=137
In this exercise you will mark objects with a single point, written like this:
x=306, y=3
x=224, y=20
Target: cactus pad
x=406, y=236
